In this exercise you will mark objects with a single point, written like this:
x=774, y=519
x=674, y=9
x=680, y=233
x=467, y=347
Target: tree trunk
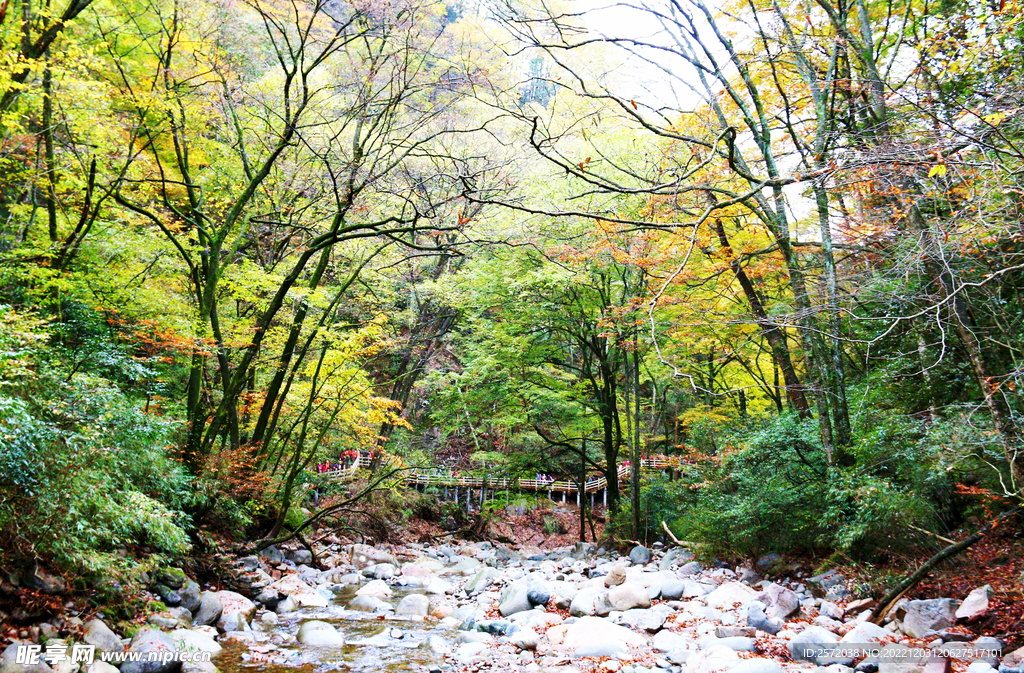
x=963, y=323
x=773, y=333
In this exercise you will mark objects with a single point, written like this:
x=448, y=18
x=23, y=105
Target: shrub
x=84, y=471
x=778, y=494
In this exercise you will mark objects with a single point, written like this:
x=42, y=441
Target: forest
x=774, y=249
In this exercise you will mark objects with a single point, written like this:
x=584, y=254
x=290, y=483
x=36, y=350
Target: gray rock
x=273, y=555
x=149, y=640
x=672, y=590
x=470, y=652
x=515, y=598
x=414, y=605
x=993, y=646
x=365, y=555
x=249, y=562
x=729, y=594
x=466, y=566
x=436, y=585
x=757, y=618
x=666, y=641
x=167, y=595
x=210, y=609
x=924, y=618
x=980, y=667
x=674, y=556
x=174, y=578
x=590, y=601
x=780, y=601
x=319, y=634
x=538, y=594
x=628, y=596
x=735, y=632
x=235, y=603
x=615, y=576
x=474, y=637
x=640, y=555
x=163, y=620
x=647, y=619
x=748, y=576
x=9, y=661
x=691, y=568
x=100, y=667
x=495, y=627
x=439, y=646
x=506, y=554
x=366, y=604
x=286, y=605
x=831, y=610
x=826, y=584
x=299, y=556
x=376, y=588
x=268, y=598
x=1014, y=659
x=183, y=616
x=737, y=643
x=525, y=639
x=188, y=640
x=595, y=637
x=866, y=632
x=812, y=644
x=383, y=571
x=99, y=635
x=232, y=621
x=693, y=589
x=975, y=605
x=678, y=656
x=481, y=581
x=190, y=596
x=613, y=649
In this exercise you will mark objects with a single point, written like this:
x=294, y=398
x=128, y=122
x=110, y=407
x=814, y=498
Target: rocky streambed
x=484, y=607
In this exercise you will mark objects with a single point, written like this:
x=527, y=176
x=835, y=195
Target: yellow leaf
x=939, y=169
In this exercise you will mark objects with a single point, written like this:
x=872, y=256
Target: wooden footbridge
x=452, y=484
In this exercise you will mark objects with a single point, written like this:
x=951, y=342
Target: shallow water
x=373, y=643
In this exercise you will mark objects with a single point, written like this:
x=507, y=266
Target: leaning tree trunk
x=897, y=592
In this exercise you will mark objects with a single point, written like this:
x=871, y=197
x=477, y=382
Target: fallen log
x=889, y=601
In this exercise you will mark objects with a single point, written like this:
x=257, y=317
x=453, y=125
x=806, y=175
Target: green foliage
x=553, y=526
x=508, y=502
x=84, y=470
x=778, y=494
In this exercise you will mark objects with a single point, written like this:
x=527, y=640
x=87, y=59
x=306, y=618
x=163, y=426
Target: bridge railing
x=450, y=479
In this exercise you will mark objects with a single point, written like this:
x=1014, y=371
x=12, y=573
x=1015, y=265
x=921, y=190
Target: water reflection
x=373, y=643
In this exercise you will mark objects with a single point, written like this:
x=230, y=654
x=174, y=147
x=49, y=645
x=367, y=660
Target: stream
x=373, y=642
